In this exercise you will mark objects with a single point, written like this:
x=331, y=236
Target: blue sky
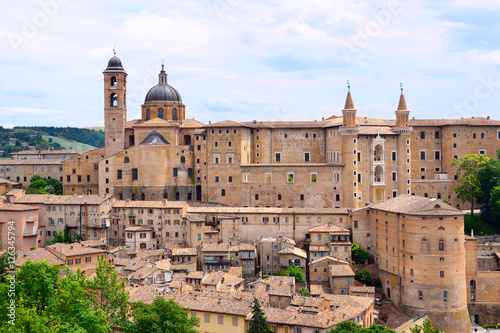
x=245, y=60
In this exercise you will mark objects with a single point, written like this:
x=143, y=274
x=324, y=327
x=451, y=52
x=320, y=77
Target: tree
x=305, y=292
x=352, y=327
x=363, y=276
x=358, y=254
x=427, y=327
x=258, y=324
x=160, y=317
x=58, y=238
x=107, y=294
x=39, y=185
x=297, y=272
x=495, y=203
x=468, y=185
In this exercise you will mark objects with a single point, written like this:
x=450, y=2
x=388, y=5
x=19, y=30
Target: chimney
x=210, y=122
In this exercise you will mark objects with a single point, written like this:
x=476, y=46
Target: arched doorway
x=388, y=292
x=198, y=192
x=379, y=194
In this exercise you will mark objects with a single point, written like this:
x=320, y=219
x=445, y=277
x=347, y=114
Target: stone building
x=341, y=161
x=19, y=226
x=419, y=246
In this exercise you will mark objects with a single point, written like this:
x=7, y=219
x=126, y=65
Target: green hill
x=67, y=144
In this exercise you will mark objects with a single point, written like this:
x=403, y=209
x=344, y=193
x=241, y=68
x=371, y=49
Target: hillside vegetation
x=26, y=138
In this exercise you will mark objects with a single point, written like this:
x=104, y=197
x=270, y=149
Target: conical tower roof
x=402, y=102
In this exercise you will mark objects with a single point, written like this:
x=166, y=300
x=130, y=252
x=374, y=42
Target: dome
x=163, y=92
x=115, y=64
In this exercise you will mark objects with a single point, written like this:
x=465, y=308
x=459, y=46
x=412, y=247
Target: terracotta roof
x=280, y=285
x=32, y=198
x=93, y=242
x=133, y=264
x=164, y=265
x=476, y=121
x=236, y=271
x=342, y=301
x=155, y=122
x=349, y=105
x=330, y=228
x=247, y=247
x=312, y=302
x=149, y=204
x=222, y=247
x=226, y=123
x=340, y=270
x=51, y=152
x=328, y=258
x=31, y=162
x=277, y=239
x=362, y=289
x=287, y=124
x=318, y=289
x=360, y=121
x=8, y=181
x=264, y=210
x=74, y=249
x=138, y=228
x=230, y=282
x=146, y=293
x=413, y=205
x=189, y=251
x=213, y=278
x=38, y=254
x=295, y=251
x=322, y=320
x=237, y=304
x=142, y=272
x=196, y=275
x=191, y=123
x=402, y=102
x=17, y=207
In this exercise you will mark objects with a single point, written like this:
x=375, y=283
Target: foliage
x=45, y=303
x=358, y=254
x=305, y=292
x=363, y=276
x=427, y=327
x=479, y=226
x=60, y=237
x=494, y=203
x=4, y=263
x=352, y=327
x=377, y=283
x=468, y=185
x=258, y=324
x=39, y=185
x=280, y=272
x=160, y=317
x=83, y=135
x=107, y=294
x=297, y=272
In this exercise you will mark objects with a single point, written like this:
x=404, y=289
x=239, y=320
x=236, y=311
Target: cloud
x=28, y=112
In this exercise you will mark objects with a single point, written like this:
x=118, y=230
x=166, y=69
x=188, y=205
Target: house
x=341, y=278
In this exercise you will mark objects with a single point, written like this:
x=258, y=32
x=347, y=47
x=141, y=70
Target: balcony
x=216, y=260
x=30, y=234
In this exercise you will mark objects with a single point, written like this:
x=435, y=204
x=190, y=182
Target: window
x=394, y=176
x=278, y=156
x=306, y=157
x=235, y=321
x=437, y=155
x=118, y=174
x=420, y=294
x=422, y=155
x=445, y=296
x=394, y=156
x=223, y=192
x=441, y=245
x=290, y=177
x=474, y=135
x=207, y=318
x=246, y=178
x=221, y=320
x=314, y=177
x=134, y=174
x=441, y=274
x=422, y=135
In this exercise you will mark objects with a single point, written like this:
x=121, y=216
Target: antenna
x=348, y=86
x=401, y=86
x=114, y=49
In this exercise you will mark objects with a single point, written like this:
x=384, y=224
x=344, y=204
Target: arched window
x=279, y=196
x=441, y=228
x=113, y=82
x=126, y=159
x=161, y=113
x=165, y=195
x=472, y=290
x=148, y=114
x=420, y=296
x=183, y=159
x=445, y=296
x=441, y=244
x=223, y=192
x=424, y=247
x=114, y=100
x=177, y=196
x=174, y=114
x=143, y=197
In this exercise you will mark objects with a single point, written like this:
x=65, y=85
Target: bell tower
x=115, y=106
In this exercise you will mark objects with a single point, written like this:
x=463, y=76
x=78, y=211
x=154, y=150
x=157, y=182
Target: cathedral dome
x=163, y=91
x=115, y=64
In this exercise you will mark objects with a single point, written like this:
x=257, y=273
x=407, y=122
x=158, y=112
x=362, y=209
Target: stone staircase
x=411, y=323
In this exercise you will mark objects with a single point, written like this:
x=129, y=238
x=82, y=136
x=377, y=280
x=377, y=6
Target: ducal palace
x=347, y=161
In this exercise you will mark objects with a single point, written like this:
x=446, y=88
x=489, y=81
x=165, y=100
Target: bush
x=363, y=276
x=358, y=254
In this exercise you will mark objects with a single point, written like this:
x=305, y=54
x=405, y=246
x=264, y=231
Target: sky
x=250, y=60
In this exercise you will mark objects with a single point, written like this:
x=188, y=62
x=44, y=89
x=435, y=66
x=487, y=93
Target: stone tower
x=403, y=146
x=115, y=106
x=349, y=132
